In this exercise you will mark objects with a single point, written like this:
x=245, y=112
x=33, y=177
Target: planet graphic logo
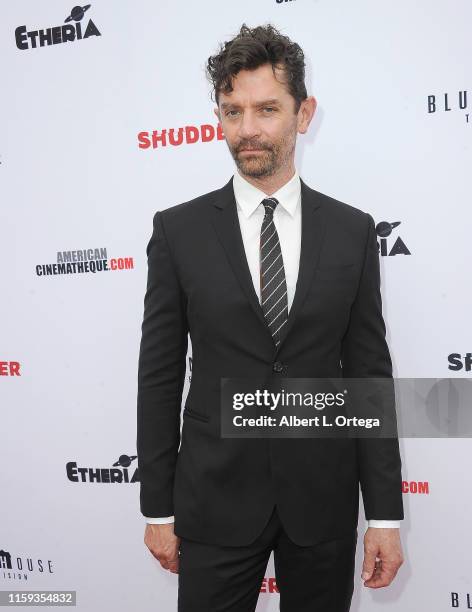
x=71, y=32
x=124, y=460
x=77, y=13
x=383, y=230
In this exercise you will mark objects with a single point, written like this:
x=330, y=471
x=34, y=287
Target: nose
x=248, y=126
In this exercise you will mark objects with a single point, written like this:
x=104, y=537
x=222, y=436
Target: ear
x=305, y=114
x=216, y=110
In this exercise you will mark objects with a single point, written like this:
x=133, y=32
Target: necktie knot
x=269, y=205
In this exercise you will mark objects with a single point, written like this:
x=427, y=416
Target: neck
x=270, y=184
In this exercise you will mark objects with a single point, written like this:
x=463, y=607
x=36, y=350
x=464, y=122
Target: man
x=270, y=278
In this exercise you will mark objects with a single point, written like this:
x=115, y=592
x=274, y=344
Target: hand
x=382, y=556
x=163, y=544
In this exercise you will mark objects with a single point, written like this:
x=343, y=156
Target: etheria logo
x=117, y=474
x=390, y=246
x=74, y=30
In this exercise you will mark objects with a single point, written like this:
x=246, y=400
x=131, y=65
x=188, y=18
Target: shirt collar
x=249, y=197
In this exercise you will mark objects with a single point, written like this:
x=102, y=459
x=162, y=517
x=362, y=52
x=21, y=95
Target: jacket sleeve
x=365, y=354
x=161, y=373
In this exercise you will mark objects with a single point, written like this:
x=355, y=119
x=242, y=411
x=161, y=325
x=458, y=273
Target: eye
x=269, y=108
x=228, y=113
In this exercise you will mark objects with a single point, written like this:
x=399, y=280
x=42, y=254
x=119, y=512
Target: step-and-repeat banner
x=106, y=118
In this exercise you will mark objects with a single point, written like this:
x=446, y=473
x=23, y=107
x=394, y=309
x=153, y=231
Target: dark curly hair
x=254, y=47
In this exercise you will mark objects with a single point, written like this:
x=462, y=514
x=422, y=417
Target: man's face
x=259, y=122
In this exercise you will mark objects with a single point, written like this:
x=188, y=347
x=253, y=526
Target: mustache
x=257, y=147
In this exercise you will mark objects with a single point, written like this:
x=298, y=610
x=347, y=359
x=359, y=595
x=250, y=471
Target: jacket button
x=278, y=366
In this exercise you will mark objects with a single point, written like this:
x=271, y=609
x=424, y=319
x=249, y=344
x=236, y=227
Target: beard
x=264, y=163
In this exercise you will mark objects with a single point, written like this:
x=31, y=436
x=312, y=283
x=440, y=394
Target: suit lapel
x=226, y=223
x=312, y=234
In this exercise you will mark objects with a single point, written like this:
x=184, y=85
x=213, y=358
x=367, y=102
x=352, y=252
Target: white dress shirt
x=288, y=222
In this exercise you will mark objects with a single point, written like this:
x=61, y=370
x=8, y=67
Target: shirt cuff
x=383, y=524
x=160, y=520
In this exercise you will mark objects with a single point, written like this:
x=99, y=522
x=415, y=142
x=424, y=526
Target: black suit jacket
x=222, y=490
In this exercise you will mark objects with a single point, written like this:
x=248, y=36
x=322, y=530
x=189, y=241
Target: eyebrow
x=256, y=104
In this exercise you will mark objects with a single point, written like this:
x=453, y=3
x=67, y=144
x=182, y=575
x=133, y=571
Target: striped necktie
x=272, y=275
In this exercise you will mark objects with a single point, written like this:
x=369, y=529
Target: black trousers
x=317, y=578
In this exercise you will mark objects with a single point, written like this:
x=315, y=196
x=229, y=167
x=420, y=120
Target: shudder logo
x=175, y=137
